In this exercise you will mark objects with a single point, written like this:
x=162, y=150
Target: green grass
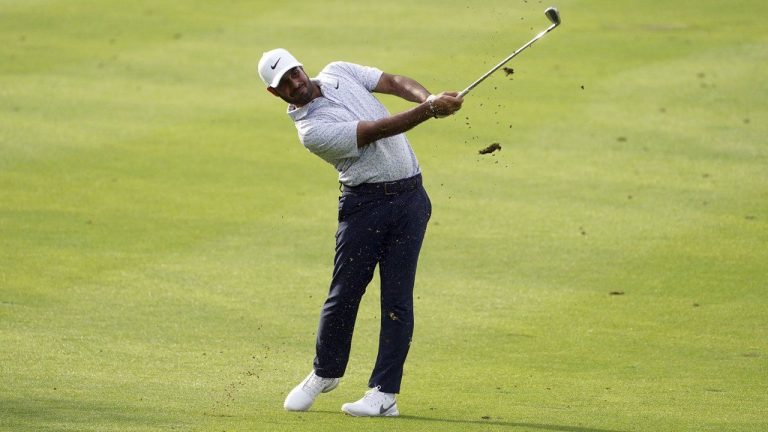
x=166, y=243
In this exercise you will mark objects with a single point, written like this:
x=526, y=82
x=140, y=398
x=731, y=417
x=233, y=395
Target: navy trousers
x=384, y=224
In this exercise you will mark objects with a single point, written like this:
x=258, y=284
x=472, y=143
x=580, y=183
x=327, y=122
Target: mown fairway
x=166, y=242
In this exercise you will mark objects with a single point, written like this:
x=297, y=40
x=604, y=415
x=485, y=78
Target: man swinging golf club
x=383, y=211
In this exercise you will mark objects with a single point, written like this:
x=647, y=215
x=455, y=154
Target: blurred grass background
x=166, y=243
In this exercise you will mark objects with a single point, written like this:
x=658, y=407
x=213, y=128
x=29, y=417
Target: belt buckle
x=386, y=188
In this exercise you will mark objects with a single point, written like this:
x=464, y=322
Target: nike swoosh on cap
x=275, y=65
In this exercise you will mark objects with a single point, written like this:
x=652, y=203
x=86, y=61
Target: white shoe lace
x=376, y=398
x=315, y=384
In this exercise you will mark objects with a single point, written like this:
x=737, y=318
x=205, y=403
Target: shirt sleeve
x=329, y=140
x=367, y=76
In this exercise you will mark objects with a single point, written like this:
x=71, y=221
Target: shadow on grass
x=46, y=413
x=540, y=426
x=490, y=422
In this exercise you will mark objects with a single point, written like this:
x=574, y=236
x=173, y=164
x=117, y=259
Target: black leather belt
x=386, y=188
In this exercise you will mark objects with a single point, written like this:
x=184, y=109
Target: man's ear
x=273, y=91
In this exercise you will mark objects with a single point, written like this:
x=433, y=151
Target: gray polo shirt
x=327, y=127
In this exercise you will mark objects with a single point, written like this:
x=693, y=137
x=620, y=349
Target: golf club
x=552, y=15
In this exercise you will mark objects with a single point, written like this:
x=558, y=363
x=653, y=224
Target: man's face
x=295, y=87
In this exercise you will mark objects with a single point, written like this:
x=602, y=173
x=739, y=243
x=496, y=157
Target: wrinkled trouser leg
x=387, y=230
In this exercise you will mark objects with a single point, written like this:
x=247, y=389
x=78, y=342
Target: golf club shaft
x=503, y=62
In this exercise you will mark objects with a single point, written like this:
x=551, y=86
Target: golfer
x=383, y=211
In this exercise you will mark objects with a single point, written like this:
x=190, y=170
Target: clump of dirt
x=491, y=148
x=616, y=293
x=508, y=70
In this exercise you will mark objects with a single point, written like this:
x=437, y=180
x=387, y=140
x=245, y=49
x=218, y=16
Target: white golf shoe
x=375, y=403
x=303, y=395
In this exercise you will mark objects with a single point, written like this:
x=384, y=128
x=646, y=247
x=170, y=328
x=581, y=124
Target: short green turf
x=166, y=242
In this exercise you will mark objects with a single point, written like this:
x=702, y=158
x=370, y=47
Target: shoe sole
x=394, y=413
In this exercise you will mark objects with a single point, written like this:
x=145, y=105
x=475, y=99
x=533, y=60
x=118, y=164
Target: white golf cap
x=274, y=64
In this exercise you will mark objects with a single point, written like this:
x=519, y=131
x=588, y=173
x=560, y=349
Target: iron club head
x=553, y=15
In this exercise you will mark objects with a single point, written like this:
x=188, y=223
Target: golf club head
x=553, y=15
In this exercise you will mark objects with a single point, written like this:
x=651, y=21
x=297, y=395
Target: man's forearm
x=370, y=131
x=410, y=89
x=403, y=87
